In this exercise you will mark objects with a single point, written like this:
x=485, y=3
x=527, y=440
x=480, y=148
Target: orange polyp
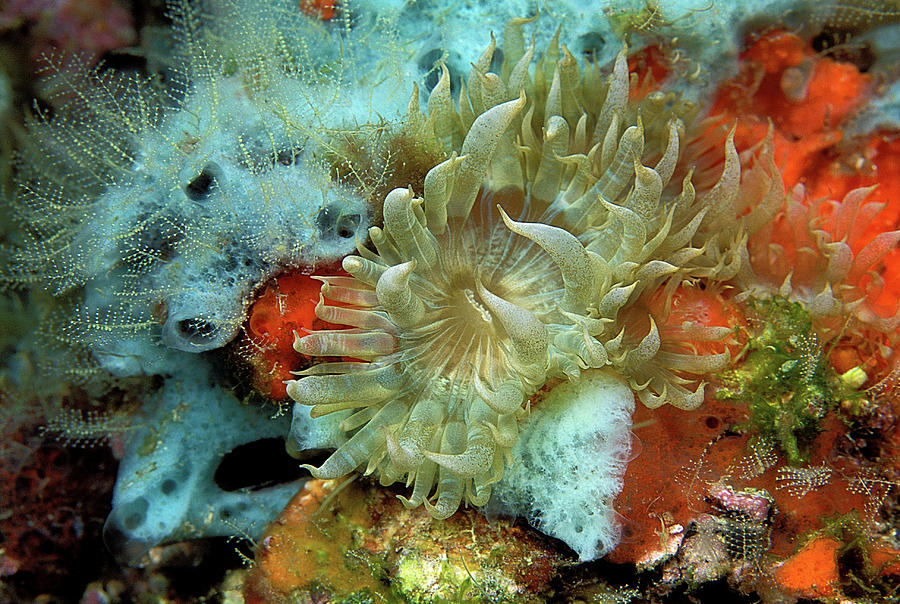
x=262, y=320
x=289, y=304
x=834, y=91
x=782, y=78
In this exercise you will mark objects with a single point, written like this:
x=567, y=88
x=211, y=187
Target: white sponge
x=570, y=462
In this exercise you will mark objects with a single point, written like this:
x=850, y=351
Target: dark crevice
x=257, y=465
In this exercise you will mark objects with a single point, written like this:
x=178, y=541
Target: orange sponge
x=287, y=305
x=813, y=571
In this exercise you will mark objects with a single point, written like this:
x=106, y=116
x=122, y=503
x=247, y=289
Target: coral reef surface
x=465, y=267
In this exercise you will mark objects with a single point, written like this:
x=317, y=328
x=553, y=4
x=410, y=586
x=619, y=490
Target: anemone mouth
x=460, y=336
x=470, y=320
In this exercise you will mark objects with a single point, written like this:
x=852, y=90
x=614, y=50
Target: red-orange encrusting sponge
x=813, y=571
x=807, y=98
x=287, y=305
x=875, y=161
x=690, y=314
x=651, y=65
x=323, y=9
x=672, y=438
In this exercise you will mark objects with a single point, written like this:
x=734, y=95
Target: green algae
x=783, y=376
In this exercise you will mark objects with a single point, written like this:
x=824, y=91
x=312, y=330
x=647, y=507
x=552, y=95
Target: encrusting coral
x=533, y=253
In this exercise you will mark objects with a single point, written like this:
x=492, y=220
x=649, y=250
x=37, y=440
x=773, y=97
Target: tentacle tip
x=316, y=472
x=506, y=219
x=409, y=505
x=292, y=387
x=437, y=513
x=520, y=102
x=351, y=264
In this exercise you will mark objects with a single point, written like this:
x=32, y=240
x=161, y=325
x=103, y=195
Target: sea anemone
x=829, y=255
x=560, y=211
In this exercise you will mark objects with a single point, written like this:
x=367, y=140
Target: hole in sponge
x=203, y=184
x=197, y=331
x=134, y=513
x=332, y=221
x=168, y=486
x=257, y=465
